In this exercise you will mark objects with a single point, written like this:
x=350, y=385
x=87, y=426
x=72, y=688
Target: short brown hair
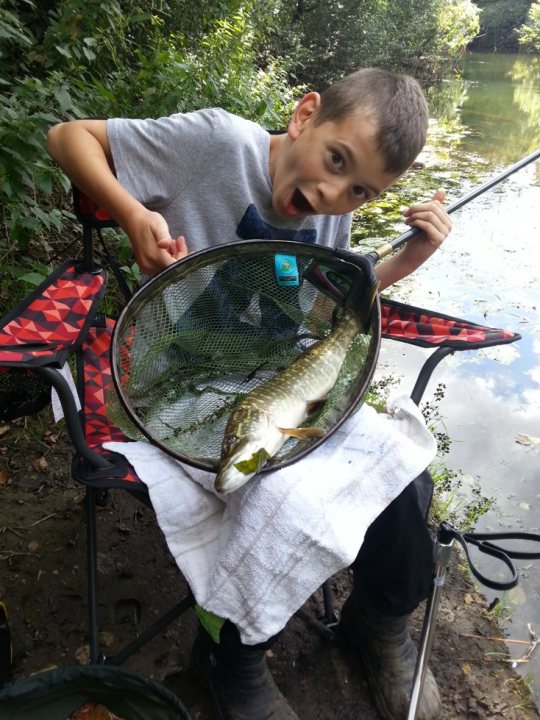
x=396, y=103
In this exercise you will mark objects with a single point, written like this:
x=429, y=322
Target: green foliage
x=84, y=58
x=499, y=21
x=328, y=40
x=30, y=185
x=217, y=73
x=457, y=24
x=529, y=32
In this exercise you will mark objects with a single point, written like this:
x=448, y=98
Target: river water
x=488, y=271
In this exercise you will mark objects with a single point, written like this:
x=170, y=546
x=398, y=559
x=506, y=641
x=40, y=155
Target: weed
x=454, y=500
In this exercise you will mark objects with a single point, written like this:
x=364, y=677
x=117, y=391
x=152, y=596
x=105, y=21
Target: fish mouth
x=300, y=202
x=229, y=478
x=237, y=470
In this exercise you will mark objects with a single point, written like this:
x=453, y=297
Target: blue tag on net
x=286, y=270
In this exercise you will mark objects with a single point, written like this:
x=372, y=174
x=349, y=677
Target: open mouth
x=300, y=202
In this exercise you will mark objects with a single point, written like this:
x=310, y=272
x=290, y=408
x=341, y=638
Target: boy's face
x=326, y=169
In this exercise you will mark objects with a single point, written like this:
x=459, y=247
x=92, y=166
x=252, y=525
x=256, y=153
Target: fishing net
x=198, y=337
x=22, y=393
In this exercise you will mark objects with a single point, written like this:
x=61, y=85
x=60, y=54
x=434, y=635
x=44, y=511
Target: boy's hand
x=153, y=247
x=434, y=221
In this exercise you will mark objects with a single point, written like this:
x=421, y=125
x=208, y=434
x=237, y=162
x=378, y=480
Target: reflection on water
x=502, y=106
x=488, y=271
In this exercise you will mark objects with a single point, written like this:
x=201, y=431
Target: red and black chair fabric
x=61, y=319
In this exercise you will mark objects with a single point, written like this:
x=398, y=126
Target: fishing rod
x=387, y=248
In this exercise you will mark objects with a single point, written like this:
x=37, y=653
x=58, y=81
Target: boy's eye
x=337, y=160
x=359, y=192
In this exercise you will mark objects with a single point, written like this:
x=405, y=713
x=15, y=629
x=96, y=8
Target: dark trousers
x=395, y=563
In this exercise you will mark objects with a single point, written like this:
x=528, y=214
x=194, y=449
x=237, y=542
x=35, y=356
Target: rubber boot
x=388, y=657
x=238, y=678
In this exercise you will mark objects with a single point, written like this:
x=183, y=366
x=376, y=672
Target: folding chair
x=61, y=320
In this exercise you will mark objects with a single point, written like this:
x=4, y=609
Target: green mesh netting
x=201, y=335
x=21, y=393
x=56, y=694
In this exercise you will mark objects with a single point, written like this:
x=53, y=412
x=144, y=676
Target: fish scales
x=259, y=425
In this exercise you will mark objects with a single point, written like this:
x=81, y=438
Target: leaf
x=63, y=98
x=524, y=439
x=255, y=462
x=32, y=278
x=3, y=477
x=64, y=51
x=40, y=465
x=89, y=54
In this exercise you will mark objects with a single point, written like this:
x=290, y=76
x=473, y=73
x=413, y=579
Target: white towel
x=256, y=555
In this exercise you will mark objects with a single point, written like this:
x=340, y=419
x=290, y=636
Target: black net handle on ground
x=485, y=542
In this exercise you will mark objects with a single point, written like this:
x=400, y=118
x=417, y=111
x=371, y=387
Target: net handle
x=387, y=248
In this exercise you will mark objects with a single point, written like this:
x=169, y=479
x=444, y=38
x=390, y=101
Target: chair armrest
x=53, y=320
x=430, y=329
x=90, y=213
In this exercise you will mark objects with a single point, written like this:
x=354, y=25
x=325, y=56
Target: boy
x=211, y=177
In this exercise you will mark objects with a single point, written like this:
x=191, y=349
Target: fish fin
x=314, y=405
x=303, y=433
x=254, y=463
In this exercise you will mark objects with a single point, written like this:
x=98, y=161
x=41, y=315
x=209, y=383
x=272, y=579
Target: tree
x=499, y=21
x=328, y=40
x=529, y=32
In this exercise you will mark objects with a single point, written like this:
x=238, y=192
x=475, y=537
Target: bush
x=529, y=33
x=90, y=59
x=499, y=21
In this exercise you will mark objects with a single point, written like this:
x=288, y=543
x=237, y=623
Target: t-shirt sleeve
x=155, y=160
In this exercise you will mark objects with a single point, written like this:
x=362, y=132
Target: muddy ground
x=43, y=584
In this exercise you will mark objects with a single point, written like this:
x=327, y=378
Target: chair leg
x=91, y=559
x=93, y=497
x=443, y=551
x=330, y=617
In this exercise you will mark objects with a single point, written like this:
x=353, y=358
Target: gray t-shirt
x=207, y=173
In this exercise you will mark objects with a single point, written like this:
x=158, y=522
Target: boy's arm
x=434, y=221
x=82, y=150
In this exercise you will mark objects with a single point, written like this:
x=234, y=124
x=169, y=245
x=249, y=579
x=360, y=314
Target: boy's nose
x=331, y=193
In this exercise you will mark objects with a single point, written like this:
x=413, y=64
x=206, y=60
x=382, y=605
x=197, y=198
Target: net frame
x=190, y=278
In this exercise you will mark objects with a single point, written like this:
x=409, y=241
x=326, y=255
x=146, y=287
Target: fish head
x=240, y=463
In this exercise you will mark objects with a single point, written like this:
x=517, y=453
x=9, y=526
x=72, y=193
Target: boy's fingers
x=440, y=195
x=433, y=234
x=435, y=203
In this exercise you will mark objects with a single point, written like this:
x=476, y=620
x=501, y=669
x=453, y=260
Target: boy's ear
x=304, y=111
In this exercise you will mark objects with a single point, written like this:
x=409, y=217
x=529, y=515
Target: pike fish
x=274, y=411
